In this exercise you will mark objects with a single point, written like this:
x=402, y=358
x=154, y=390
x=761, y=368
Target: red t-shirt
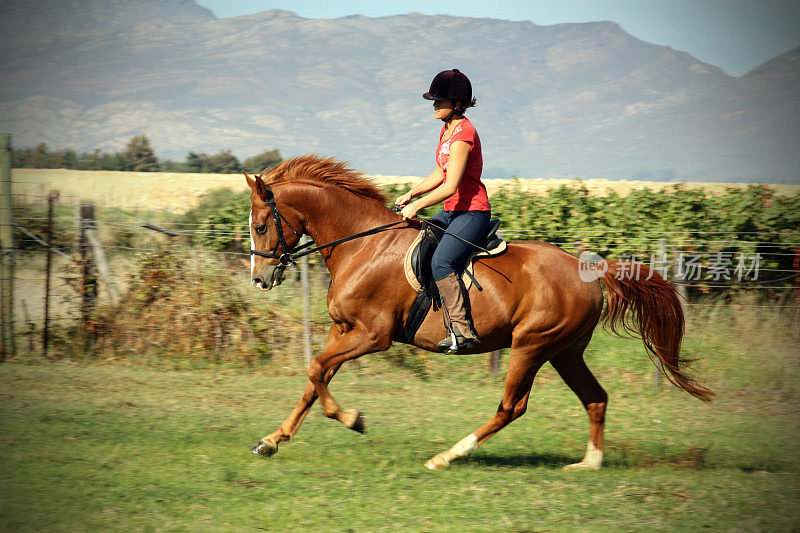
x=471, y=193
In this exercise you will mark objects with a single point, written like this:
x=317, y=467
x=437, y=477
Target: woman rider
x=456, y=180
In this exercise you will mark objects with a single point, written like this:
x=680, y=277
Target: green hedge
x=738, y=221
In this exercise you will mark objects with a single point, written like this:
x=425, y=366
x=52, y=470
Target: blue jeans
x=451, y=254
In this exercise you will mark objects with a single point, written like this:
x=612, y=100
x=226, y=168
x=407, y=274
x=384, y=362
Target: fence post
x=31, y=326
x=494, y=362
x=51, y=199
x=88, y=277
x=103, y=268
x=6, y=251
x=305, y=289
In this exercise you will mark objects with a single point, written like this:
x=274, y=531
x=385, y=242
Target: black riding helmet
x=450, y=85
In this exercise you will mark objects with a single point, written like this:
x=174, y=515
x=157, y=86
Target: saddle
x=417, y=266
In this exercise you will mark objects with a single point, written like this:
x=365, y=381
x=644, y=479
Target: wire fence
x=90, y=254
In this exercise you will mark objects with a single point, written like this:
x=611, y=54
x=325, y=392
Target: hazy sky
x=735, y=35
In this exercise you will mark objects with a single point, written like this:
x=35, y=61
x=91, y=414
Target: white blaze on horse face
x=252, y=246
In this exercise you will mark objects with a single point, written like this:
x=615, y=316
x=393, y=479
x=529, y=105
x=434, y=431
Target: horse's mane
x=314, y=167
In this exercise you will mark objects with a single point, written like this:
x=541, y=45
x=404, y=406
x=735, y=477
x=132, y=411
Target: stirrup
x=457, y=343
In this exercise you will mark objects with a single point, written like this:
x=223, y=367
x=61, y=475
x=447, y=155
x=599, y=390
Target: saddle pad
x=409, y=270
x=414, y=282
x=497, y=250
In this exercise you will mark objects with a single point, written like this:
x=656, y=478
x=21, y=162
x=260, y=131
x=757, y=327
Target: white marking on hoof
x=436, y=463
x=353, y=419
x=592, y=461
x=463, y=448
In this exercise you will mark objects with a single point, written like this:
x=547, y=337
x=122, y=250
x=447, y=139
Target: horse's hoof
x=581, y=466
x=354, y=420
x=436, y=463
x=264, y=449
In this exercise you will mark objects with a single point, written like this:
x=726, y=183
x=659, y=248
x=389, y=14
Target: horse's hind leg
x=522, y=368
x=573, y=370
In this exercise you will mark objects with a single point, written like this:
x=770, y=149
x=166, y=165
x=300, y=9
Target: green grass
x=126, y=446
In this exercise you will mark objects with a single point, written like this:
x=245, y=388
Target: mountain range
x=568, y=100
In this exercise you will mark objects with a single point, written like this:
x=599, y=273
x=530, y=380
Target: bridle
x=288, y=257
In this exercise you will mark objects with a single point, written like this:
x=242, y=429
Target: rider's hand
x=409, y=211
x=403, y=200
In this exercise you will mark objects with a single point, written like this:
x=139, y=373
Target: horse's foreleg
x=268, y=445
x=351, y=345
x=523, y=366
x=573, y=370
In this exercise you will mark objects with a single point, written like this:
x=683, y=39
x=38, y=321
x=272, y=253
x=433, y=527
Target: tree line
x=138, y=156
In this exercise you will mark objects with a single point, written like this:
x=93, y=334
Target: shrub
x=215, y=219
x=184, y=307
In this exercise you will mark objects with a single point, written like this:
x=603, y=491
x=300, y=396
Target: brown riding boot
x=455, y=306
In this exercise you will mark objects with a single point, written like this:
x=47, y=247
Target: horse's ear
x=251, y=182
x=257, y=185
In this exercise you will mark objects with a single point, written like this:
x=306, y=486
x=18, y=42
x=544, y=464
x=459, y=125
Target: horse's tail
x=655, y=314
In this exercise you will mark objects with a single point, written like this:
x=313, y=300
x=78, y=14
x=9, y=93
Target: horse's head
x=274, y=228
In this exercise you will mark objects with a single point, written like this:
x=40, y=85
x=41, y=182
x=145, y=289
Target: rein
x=287, y=258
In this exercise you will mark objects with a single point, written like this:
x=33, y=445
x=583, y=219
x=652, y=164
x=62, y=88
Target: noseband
x=288, y=257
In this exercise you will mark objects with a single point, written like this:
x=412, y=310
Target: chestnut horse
x=533, y=300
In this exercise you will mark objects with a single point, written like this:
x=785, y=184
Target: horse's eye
x=261, y=230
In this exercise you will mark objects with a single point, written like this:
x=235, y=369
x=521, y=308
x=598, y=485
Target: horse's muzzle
x=272, y=278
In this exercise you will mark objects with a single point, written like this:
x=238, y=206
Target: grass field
x=121, y=445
